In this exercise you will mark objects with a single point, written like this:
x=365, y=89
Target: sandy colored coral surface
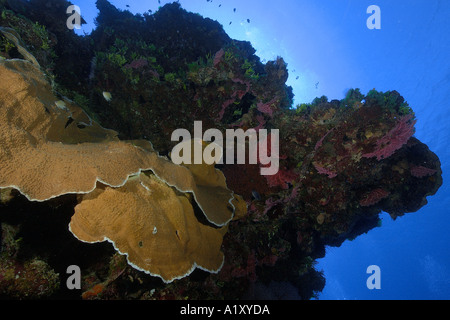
x=157, y=229
x=49, y=150
x=51, y=147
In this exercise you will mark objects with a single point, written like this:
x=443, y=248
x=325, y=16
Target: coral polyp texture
x=150, y=228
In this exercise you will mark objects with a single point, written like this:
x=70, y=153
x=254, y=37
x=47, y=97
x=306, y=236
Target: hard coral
x=216, y=89
x=49, y=148
x=157, y=229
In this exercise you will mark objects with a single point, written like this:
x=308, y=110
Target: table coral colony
x=153, y=229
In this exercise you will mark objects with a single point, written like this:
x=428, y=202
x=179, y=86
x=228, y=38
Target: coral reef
x=30, y=279
x=341, y=162
x=44, y=157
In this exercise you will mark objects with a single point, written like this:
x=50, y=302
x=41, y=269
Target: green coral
x=194, y=66
x=42, y=33
x=228, y=56
x=352, y=98
x=390, y=100
x=123, y=52
x=249, y=70
x=318, y=101
x=170, y=77
x=303, y=108
x=404, y=109
x=116, y=59
x=6, y=45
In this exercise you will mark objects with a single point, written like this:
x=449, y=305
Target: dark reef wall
x=341, y=162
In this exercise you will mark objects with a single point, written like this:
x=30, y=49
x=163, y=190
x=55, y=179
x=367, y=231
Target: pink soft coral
x=281, y=178
x=394, y=139
x=373, y=197
x=420, y=171
x=266, y=107
x=322, y=170
x=218, y=57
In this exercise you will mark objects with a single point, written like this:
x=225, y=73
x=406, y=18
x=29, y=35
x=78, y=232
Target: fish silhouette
x=256, y=195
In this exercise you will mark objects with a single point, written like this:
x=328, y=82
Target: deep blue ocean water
x=329, y=49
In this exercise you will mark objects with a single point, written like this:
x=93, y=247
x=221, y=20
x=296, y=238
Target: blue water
x=329, y=49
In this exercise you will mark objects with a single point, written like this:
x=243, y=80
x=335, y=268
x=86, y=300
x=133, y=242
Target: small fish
x=60, y=104
x=234, y=10
x=317, y=84
x=256, y=195
x=248, y=20
x=127, y=5
x=230, y=23
x=220, y=5
x=296, y=78
x=107, y=96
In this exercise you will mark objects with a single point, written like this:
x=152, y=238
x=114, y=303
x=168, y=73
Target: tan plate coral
x=156, y=228
x=50, y=147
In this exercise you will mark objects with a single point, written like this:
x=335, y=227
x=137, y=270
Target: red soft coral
x=373, y=197
x=420, y=171
x=322, y=170
x=281, y=178
x=218, y=57
x=266, y=107
x=394, y=139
